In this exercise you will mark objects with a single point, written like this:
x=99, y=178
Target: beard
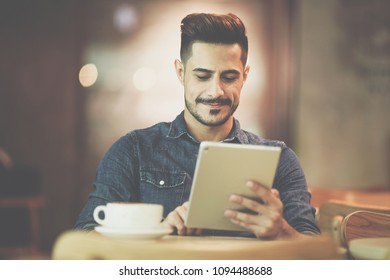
x=211, y=118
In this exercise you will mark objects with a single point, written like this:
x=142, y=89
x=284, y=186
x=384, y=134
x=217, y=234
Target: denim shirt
x=156, y=165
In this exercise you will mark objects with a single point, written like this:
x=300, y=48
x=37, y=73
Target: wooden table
x=91, y=245
x=77, y=245
x=377, y=197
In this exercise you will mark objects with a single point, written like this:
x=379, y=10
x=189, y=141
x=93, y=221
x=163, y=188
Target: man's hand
x=175, y=219
x=268, y=221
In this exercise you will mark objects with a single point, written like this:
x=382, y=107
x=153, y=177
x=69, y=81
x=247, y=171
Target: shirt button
x=162, y=183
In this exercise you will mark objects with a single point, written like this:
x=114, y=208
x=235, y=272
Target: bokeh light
x=88, y=75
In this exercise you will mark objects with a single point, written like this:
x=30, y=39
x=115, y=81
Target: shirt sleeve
x=291, y=184
x=116, y=180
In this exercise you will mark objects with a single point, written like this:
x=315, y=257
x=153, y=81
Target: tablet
x=223, y=169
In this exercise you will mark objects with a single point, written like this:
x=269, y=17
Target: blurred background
x=77, y=75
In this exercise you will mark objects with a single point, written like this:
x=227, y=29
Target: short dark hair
x=212, y=28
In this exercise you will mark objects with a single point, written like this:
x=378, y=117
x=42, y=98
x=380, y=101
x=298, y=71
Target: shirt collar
x=178, y=128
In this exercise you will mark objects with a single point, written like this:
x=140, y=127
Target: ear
x=246, y=71
x=179, y=70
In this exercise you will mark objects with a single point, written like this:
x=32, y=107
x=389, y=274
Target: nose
x=216, y=88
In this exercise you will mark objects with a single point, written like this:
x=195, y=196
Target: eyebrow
x=203, y=70
x=208, y=71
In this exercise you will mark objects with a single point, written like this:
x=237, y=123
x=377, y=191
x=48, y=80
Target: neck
x=203, y=132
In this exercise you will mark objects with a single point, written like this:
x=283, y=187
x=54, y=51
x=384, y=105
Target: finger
x=266, y=194
x=275, y=193
x=248, y=203
x=264, y=228
x=176, y=219
x=259, y=230
x=244, y=224
x=182, y=211
x=242, y=217
x=186, y=205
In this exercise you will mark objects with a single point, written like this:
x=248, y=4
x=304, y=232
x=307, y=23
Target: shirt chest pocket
x=162, y=179
x=168, y=188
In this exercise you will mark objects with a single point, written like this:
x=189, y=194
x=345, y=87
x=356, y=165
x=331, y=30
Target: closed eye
x=229, y=78
x=202, y=74
x=203, y=78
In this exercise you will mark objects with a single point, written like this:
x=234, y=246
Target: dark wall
x=41, y=101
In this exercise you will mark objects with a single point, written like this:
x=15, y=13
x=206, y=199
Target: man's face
x=212, y=78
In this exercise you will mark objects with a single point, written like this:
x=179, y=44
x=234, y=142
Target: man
x=156, y=164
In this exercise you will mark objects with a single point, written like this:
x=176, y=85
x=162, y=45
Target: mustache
x=220, y=101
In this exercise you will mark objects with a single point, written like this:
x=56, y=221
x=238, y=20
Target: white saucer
x=134, y=233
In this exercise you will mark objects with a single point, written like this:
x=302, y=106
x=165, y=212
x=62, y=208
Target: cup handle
x=96, y=212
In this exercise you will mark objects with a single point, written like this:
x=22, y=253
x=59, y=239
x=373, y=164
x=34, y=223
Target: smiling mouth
x=214, y=103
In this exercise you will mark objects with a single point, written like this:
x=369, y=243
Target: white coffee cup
x=126, y=215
